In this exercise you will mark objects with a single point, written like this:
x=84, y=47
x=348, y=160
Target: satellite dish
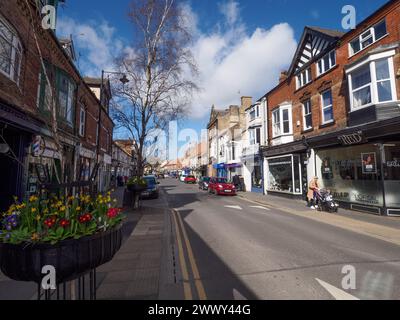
x=4, y=148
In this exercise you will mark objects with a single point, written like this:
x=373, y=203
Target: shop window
x=352, y=173
x=66, y=91
x=368, y=37
x=284, y=174
x=372, y=83
x=392, y=174
x=10, y=51
x=256, y=176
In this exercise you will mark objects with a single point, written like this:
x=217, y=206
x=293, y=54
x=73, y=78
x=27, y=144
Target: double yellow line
x=185, y=272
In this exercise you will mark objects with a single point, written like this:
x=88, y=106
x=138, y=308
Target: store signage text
x=393, y=164
x=366, y=198
x=351, y=139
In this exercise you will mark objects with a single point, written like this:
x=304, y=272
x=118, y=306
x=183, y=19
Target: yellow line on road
x=197, y=280
x=185, y=274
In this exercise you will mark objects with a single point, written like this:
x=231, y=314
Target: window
x=368, y=37
x=82, y=122
x=252, y=114
x=307, y=114
x=282, y=121
x=66, y=91
x=372, y=82
x=327, y=107
x=303, y=78
x=10, y=52
x=258, y=135
x=327, y=62
x=44, y=99
x=276, y=123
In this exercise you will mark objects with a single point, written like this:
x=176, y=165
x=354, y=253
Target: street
x=231, y=248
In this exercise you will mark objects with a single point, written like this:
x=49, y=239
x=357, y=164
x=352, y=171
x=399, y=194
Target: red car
x=221, y=186
x=190, y=179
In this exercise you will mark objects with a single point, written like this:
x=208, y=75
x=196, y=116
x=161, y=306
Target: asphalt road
x=234, y=249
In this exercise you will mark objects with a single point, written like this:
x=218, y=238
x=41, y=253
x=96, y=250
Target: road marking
x=197, y=280
x=185, y=274
x=234, y=207
x=237, y=296
x=337, y=293
x=261, y=207
x=255, y=202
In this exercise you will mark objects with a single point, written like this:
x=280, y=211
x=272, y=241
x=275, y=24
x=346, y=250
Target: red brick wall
x=335, y=79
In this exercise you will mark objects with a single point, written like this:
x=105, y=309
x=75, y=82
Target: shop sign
x=393, y=164
x=366, y=198
x=352, y=139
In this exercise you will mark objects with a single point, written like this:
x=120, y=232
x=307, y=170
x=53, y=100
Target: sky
x=240, y=46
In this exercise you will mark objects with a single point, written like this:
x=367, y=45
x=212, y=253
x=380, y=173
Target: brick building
x=335, y=114
x=37, y=144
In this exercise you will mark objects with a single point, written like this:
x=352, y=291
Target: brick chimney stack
x=283, y=76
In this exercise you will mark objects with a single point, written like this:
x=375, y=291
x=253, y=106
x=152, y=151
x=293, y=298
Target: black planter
x=136, y=188
x=71, y=258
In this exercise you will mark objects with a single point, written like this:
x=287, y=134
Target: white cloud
x=96, y=42
x=231, y=60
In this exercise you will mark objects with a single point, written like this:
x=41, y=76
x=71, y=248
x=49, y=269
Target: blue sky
x=241, y=46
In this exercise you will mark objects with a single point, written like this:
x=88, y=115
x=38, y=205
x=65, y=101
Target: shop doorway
x=11, y=164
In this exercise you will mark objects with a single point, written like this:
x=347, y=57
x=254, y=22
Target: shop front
x=361, y=166
x=286, y=170
x=233, y=169
x=363, y=177
x=221, y=170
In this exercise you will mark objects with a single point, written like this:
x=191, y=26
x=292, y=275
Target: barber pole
x=37, y=146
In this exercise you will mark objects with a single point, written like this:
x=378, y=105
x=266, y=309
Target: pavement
x=191, y=245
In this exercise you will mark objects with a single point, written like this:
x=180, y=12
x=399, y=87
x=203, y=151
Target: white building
x=255, y=135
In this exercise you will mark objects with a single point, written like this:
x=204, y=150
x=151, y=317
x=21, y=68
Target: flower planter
x=136, y=188
x=71, y=258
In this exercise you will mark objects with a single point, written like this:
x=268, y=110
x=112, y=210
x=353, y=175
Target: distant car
x=203, y=183
x=190, y=179
x=152, y=190
x=221, y=186
x=182, y=177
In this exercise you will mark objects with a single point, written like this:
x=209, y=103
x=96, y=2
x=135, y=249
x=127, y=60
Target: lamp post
x=124, y=80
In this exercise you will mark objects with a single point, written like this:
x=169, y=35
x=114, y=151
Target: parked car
x=152, y=191
x=182, y=177
x=203, y=183
x=190, y=179
x=221, y=186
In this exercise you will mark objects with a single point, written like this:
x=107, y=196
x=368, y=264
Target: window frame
x=16, y=47
x=322, y=63
x=82, y=124
x=303, y=78
x=361, y=40
x=305, y=128
x=280, y=124
x=371, y=62
x=326, y=107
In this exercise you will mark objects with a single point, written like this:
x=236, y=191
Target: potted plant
x=73, y=234
x=136, y=184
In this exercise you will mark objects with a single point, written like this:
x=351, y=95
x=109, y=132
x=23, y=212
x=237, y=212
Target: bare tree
x=160, y=71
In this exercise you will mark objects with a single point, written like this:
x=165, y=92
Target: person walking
x=313, y=187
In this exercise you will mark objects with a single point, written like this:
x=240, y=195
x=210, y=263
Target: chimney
x=283, y=76
x=246, y=102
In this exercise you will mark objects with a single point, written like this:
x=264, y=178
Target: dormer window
x=303, y=78
x=368, y=37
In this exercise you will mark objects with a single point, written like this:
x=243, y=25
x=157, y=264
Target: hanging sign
x=352, y=139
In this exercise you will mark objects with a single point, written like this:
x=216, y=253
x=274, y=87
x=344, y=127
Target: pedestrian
x=313, y=188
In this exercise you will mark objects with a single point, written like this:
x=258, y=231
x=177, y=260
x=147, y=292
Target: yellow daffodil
x=78, y=208
x=62, y=208
x=35, y=237
x=33, y=210
x=38, y=217
x=33, y=199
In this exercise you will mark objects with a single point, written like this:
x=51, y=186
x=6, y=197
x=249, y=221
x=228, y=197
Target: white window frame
x=304, y=78
x=361, y=39
x=326, y=107
x=371, y=61
x=16, y=48
x=82, y=122
x=280, y=124
x=305, y=128
x=321, y=62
